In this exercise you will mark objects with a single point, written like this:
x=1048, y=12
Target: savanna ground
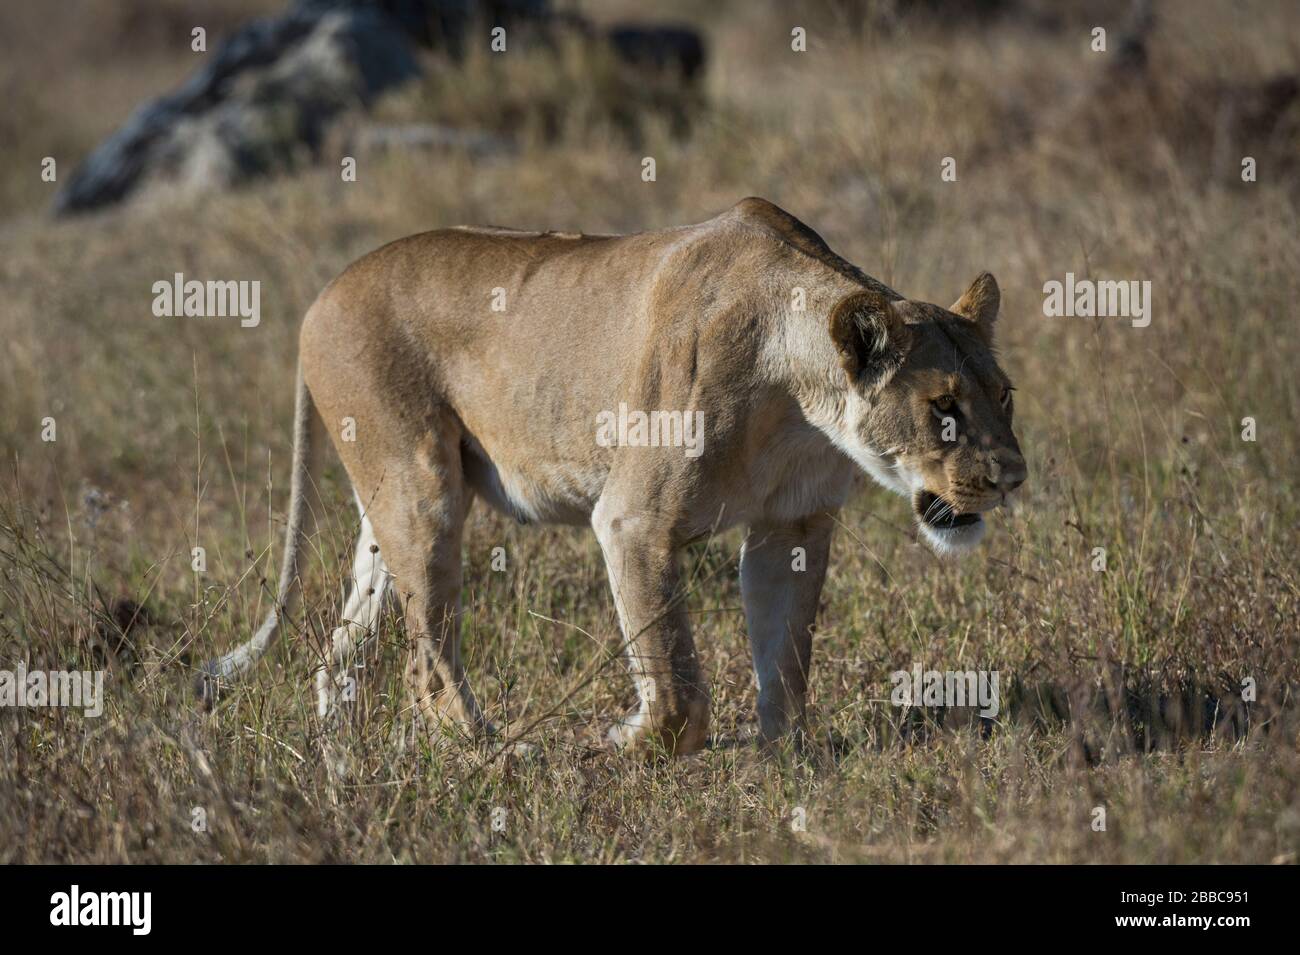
x=1122, y=688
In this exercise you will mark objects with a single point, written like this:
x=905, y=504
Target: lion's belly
x=534, y=491
x=560, y=481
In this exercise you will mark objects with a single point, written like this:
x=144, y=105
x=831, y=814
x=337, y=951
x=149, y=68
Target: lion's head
x=928, y=413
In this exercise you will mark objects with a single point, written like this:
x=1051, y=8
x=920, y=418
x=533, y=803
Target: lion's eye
x=944, y=404
x=1006, y=396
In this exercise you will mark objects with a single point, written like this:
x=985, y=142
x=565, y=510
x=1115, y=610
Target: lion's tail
x=308, y=436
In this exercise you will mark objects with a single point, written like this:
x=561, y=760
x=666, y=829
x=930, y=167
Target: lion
x=492, y=363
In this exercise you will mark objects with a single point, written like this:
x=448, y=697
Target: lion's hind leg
x=419, y=514
x=337, y=676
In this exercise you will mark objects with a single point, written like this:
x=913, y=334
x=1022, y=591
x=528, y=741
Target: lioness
x=484, y=361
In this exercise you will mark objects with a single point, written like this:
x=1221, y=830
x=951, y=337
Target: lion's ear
x=979, y=304
x=869, y=334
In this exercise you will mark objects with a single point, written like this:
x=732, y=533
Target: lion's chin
x=954, y=541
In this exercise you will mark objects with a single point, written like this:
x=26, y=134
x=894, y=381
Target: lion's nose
x=1007, y=472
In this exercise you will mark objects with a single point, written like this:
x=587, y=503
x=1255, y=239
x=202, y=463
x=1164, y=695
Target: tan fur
x=453, y=400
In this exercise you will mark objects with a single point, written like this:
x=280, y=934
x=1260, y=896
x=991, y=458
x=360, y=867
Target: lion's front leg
x=643, y=574
x=782, y=568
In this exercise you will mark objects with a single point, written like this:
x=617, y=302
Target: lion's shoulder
x=756, y=214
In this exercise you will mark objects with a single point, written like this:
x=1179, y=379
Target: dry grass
x=173, y=433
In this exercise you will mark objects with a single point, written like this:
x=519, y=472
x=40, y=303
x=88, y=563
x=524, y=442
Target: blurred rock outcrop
x=263, y=101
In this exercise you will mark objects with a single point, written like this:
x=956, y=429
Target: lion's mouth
x=936, y=512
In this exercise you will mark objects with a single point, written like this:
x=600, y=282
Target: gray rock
x=262, y=104
x=674, y=49
x=264, y=100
